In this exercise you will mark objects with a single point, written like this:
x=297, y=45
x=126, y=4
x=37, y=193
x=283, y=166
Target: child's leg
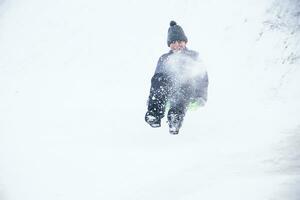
x=178, y=107
x=160, y=89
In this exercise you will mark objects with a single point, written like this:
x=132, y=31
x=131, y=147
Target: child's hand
x=195, y=104
x=201, y=101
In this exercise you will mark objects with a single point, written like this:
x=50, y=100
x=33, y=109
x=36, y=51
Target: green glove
x=195, y=104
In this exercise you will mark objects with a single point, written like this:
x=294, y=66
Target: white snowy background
x=74, y=81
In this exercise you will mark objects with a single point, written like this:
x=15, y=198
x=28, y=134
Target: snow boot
x=152, y=120
x=175, y=122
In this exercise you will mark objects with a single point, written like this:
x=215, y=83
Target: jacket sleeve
x=160, y=77
x=201, y=81
x=202, y=85
x=160, y=67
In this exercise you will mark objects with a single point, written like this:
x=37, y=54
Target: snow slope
x=74, y=81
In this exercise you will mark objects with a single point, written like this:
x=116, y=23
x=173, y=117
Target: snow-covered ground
x=74, y=81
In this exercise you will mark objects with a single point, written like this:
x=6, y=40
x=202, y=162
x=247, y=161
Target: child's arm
x=201, y=89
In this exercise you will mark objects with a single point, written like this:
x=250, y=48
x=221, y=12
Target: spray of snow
x=184, y=68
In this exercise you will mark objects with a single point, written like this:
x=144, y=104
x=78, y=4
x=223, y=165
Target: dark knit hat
x=175, y=33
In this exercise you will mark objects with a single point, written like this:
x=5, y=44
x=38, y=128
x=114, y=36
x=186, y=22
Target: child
x=178, y=81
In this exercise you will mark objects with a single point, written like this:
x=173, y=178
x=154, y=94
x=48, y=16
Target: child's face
x=177, y=45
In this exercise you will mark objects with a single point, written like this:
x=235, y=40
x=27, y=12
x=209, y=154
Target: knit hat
x=175, y=33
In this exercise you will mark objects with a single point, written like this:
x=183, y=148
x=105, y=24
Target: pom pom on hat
x=173, y=23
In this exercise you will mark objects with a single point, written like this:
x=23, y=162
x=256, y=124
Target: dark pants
x=164, y=90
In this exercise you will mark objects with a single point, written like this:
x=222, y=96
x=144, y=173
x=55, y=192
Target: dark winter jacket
x=179, y=68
